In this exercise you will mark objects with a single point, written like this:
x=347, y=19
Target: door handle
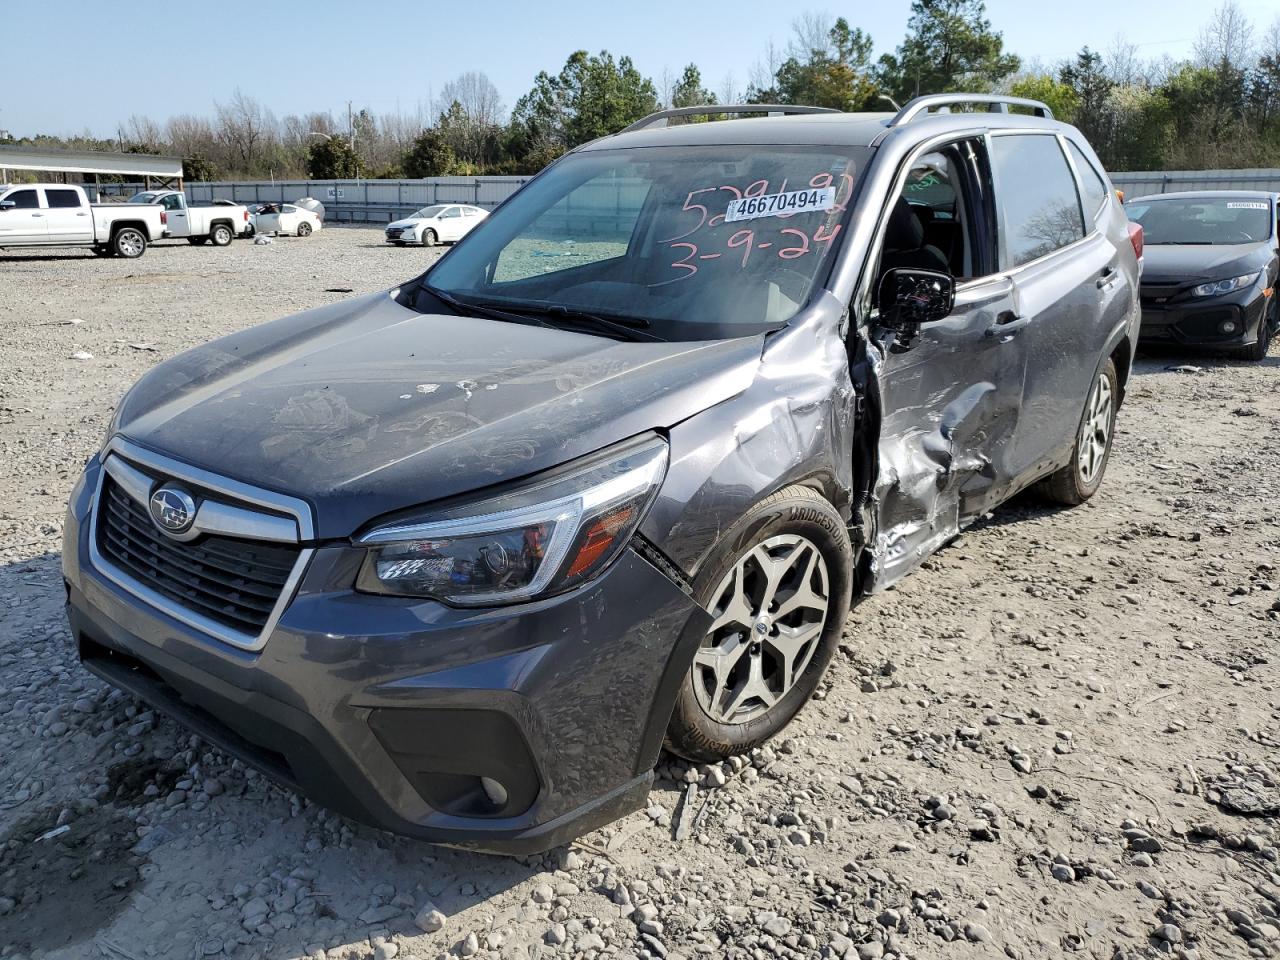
x=1108, y=277
x=81, y=214
x=1007, y=324
x=37, y=214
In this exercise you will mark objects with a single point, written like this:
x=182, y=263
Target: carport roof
x=89, y=161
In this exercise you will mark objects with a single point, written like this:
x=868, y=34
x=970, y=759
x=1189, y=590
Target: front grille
x=231, y=581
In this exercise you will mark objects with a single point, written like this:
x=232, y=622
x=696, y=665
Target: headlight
x=1218, y=287
x=539, y=539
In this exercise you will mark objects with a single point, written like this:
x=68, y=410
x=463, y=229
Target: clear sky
x=113, y=60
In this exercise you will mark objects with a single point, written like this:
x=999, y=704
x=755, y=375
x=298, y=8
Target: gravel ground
x=1059, y=738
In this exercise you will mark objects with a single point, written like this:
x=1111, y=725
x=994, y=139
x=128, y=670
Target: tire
x=128, y=242
x=1257, y=352
x=1080, y=479
x=304, y=229
x=249, y=230
x=429, y=238
x=735, y=694
x=221, y=235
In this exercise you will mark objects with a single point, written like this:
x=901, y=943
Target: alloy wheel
x=769, y=610
x=1095, y=433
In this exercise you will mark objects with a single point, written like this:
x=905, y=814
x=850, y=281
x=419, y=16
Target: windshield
x=700, y=242
x=426, y=213
x=143, y=198
x=1206, y=220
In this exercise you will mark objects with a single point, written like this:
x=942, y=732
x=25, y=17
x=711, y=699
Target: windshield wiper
x=466, y=307
x=629, y=328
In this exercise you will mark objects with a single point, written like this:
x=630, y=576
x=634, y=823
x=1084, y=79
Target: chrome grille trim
x=232, y=521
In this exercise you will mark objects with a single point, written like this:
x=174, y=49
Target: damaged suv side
x=457, y=559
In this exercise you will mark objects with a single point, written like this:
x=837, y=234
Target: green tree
x=331, y=158
x=429, y=156
x=837, y=75
x=1059, y=97
x=198, y=169
x=1087, y=76
x=949, y=47
x=689, y=91
x=593, y=96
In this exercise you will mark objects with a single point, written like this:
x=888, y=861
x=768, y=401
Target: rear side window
x=62, y=198
x=24, y=199
x=1036, y=197
x=1093, y=186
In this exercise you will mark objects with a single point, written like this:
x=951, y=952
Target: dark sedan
x=1211, y=264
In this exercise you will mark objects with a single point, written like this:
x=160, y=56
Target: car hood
x=1172, y=263
x=367, y=407
x=407, y=222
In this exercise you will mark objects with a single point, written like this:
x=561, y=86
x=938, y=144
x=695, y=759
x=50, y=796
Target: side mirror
x=909, y=298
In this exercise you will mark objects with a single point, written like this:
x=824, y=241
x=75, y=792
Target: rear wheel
x=129, y=242
x=221, y=235
x=779, y=593
x=304, y=229
x=1080, y=479
x=429, y=238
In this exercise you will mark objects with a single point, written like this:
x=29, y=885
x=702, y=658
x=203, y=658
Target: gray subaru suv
x=459, y=558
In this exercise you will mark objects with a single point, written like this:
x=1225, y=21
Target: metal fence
x=1141, y=183
x=365, y=201
x=381, y=201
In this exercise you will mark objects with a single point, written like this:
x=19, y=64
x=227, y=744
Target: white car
x=286, y=218
x=438, y=223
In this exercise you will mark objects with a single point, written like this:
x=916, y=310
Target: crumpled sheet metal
x=918, y=499
x=792, y=424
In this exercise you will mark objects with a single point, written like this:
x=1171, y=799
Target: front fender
x=792, y=425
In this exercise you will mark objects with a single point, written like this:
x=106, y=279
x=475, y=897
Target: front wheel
x=429, y=238
x=1080, y=479
x=1258, y=351
x=221, y=235
x=304, y=229
x=129, y=242
x=778, y=592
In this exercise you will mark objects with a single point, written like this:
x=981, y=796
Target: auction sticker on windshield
x=780, y=204
x=1243, y=205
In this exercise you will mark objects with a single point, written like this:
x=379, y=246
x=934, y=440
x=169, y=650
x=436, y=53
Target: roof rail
x=996, y=103
x=711, y=109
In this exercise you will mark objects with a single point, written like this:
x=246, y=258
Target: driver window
x=171, y=202
x=933, y=224
x=451, y=212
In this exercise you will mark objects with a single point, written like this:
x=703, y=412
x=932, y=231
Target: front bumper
x=390, y=711
x=1228, y=321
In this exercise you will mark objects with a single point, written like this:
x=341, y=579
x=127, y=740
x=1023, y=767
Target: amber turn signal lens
x=599, y=538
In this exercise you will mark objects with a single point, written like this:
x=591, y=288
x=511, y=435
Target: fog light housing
x=1227, y=326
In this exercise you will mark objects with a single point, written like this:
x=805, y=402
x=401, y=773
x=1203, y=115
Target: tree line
x=1220, y=107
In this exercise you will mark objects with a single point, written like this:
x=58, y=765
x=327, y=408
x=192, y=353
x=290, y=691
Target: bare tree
x=1121, y=62
x=480, y=99
x=1227, y=38
x=729, y=89
x=244, y=127
x=812, y=31
x=141, y=132
x=765, y=68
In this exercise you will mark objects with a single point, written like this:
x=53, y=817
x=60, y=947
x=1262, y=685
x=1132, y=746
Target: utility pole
x=351, y=132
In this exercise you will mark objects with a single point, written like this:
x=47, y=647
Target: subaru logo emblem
x=173, y=510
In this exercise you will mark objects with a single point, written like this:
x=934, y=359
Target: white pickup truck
x=220, y=223
x=60, y=215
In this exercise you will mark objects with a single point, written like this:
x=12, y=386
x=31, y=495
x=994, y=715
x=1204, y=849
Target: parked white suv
x=60, y=215
x=440, y=222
